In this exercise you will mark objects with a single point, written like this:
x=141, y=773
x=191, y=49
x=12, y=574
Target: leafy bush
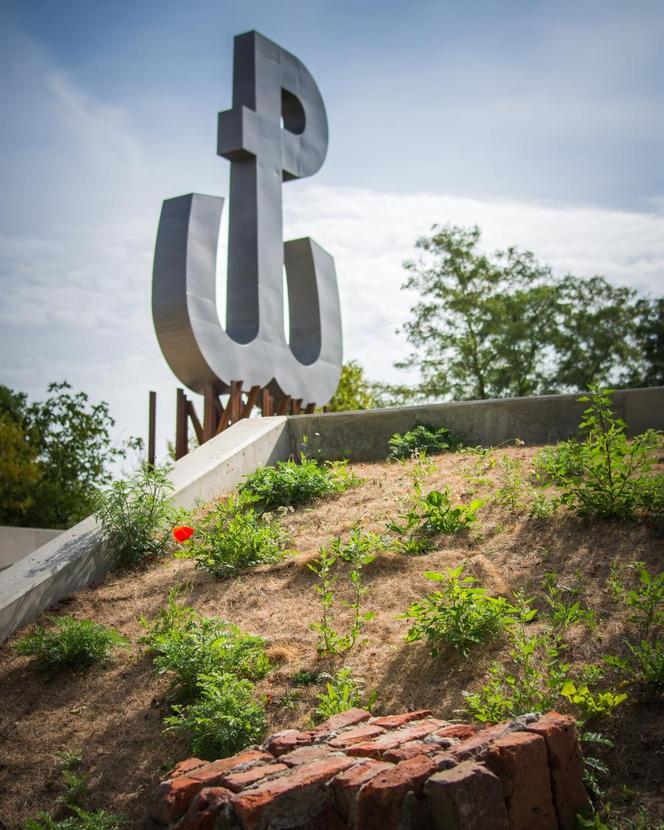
x=289, y=484
x=430, y=516
x=531, y=681
x=193, y=646
x=604, y=474
x=342, y=692
x=228, y=540
x=69, y=644
x=424, y=438
x=459, y=615
x=134, y=514
x=357, y=552
x=223, y=718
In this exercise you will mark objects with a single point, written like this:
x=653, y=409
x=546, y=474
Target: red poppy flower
x=182, y=532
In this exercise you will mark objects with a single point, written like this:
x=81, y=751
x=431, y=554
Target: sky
x=541, y=122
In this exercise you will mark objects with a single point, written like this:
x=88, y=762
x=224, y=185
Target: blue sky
x=541, y=121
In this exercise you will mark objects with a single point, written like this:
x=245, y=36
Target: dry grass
x=114, y=715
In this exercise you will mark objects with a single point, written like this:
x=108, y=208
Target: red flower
x=182, y=532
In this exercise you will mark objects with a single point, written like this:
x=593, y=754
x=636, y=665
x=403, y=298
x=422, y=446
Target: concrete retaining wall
x=17, y=542
x=363, y=436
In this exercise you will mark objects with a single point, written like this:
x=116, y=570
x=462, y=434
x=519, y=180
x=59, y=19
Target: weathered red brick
x=409, y=750
x=519, y=760
x=462, y=731
x=290, y=800
x=473, y=748
x=565, y=766
x=347, y=784
x=236, y=781
x=203, y=810
x=170, y=798
x=466, y=797
x=391, y=740
x=211, y=774
x=355, y=735
x=183, y=767
x=394, y=721
x=380, y=800
x=305, y=755
x=286, y=741
x=350, y=717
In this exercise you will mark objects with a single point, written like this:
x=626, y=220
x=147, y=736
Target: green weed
x=356, y=553
x=424, y=438
x=69, y=644
x=190, y=646
x=228, y=540
x=342, y=692
x=223, y=718
x=289, y=483
x=459, y=615
x=134, y=514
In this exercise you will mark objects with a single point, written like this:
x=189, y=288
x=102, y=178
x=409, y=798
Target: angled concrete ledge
x=363, y=436
x=77, y=556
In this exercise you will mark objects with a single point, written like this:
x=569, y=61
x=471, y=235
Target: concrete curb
x=77, y=557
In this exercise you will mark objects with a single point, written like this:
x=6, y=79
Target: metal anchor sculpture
x=275, y=131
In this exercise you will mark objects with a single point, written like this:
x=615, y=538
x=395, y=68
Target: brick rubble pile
x=401, y=772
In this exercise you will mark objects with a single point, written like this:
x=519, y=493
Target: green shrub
x=604, y=474
x=532, y=679
x=191, y=646
x=134, y=514
x=342, y=692
x=69, y=644
x=430, y=516
x=356, y=553
x=424, y=438
x=229, y=540
x=223, y=718
x=459, y=615
x=289, y=484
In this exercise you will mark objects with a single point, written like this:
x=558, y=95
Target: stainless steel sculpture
x=275, y=131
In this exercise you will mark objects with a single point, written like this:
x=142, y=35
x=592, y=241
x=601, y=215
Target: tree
x=502, y=325
x=19, y=471
x=483, y=324
x=68, y=441
x=353, y=391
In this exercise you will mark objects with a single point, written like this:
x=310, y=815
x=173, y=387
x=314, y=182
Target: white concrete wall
x=17, y=542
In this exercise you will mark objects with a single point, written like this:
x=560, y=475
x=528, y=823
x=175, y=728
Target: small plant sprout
x=564, y=603
x=356, y=553
x=342, y=692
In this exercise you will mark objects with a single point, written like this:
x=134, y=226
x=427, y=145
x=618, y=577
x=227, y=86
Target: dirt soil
x=113, y=714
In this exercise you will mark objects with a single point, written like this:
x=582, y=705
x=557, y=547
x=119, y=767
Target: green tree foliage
x=502, y=325
x=354, y=390
x=60, y=450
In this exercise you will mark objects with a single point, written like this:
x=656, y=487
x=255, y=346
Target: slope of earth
x=113, y=715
